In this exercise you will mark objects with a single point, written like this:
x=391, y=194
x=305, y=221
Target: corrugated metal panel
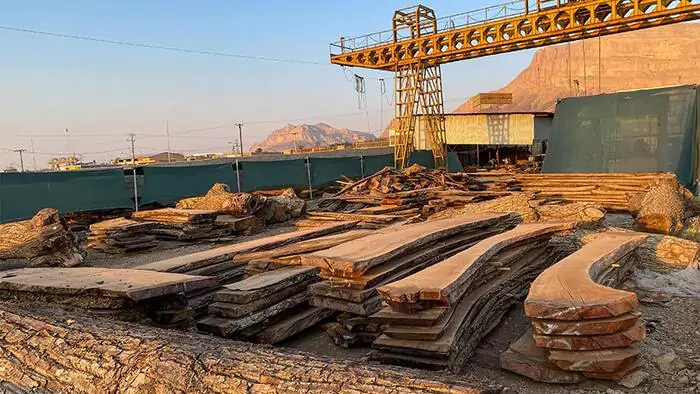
x=483, y=129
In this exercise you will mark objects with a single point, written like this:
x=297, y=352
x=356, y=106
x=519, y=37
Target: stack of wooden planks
x=120, y=293
x=185, y=224
x=437, y=317
x=121, y=236
x=354, y=270
x=221, y=262
x=610, y=191
x=581, y=327
x=268, y=308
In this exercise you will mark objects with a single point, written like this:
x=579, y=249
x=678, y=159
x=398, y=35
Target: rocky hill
x=309, y=136
x=656, y=57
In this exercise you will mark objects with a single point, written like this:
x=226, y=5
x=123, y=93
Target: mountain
x=661, y=56
x=309, y=136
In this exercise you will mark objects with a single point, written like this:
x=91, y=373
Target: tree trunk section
x=47, y=348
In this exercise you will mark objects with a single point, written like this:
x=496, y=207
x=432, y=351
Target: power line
x=159, y=47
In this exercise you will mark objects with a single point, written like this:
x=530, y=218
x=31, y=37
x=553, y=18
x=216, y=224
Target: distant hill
x=309, y=136
x=661, y=56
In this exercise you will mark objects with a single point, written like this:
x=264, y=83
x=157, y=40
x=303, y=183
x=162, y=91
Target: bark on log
x=45, y=348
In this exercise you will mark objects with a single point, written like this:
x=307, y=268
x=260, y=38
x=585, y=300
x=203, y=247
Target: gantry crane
x=419, y=43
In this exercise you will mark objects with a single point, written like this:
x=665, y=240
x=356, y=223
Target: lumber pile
x=123, y=294
x=121, y=236
x=185, y=224
x=145, y=359
x=268, y=308
x=221, y=262
x=581, y=326
x=437, y=316
x=353, y=271
x=610, y=191
x=44, y=241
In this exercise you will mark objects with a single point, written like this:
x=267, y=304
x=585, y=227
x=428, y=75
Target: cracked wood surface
x=48, y=348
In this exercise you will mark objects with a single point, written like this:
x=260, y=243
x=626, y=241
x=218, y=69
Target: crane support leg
x=418, y=91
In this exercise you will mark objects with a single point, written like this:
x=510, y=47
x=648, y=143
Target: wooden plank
x=446, y=282
x=293, y=325
x=355, y=257
x=264, y=285
x=379, y=219
x=226, y=327
x=226, y=309
x=596, y=361
x=423, y=318
x=236, y=224
x=567, y=291
x=217, y=255
x=132, y=284
x=307, y=246
x=364, y=308
x=636, y=333
x=407, y=264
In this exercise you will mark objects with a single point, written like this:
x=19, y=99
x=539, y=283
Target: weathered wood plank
x=224, y=253
x=231, y=310
x=602, y=326
x=84, y=281
x=265, y=284
x=355, y=257
x=567, y=291
x=624, y=338
x=293, y=325
x=364, y=308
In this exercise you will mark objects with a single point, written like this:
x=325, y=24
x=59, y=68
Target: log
x=447, y=281
x=143, y=359
x=224, y=253
x=363, y=180
x=568, y=290
x=354, y=258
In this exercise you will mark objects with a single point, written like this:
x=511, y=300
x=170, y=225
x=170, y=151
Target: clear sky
x=101, y=92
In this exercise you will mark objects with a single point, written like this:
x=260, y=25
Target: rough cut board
x=226, y=309
x=594, y=342
x=265, y=284
x=566, y=291
x=444, y=281
x=603, y=326
x=292, y=325
x=355, y=257
x=132, y=284
x=217, y=255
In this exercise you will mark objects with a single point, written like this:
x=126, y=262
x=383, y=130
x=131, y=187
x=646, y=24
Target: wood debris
x=44, y=240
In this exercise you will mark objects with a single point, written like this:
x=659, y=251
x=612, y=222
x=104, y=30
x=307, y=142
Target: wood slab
x=308, y=246
x=524, y=358
x=225, y=327
x=596, y=361
x=602, y=326
x=293, y=325
x=355, y=257
x=264, y=285
x=403, y=266
x=224, y=253
x=364, y=308
x=445, y=281
x=226, y=309
x=422, y=318
x=84, y=281
x=378, y=219
x=625, y=338
x=566, y=291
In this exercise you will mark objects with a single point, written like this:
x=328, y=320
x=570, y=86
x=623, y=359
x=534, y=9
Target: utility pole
x=240, y=136
x=132, y=136
x=167, y=133
x=21, y=159
x=31, y=140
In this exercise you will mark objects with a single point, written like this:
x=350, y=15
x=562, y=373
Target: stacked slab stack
x=353, y=271
x=581, y=326
x=267, y=308
x=438, y=316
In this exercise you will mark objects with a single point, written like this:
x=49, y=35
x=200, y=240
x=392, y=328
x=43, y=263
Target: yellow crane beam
x=506, y=28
